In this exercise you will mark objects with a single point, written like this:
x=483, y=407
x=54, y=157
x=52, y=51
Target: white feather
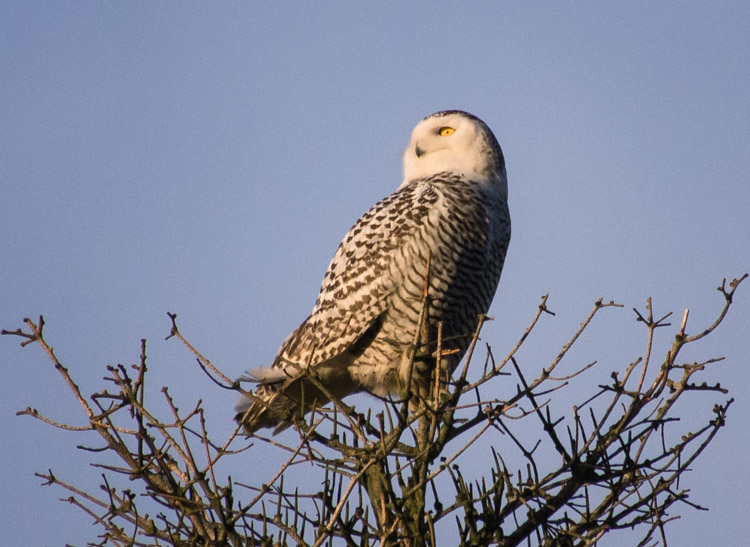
x=265, y=375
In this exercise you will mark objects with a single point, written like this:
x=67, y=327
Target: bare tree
x=397, y=474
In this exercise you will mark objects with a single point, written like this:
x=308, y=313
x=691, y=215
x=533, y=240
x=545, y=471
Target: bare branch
x=369, y=476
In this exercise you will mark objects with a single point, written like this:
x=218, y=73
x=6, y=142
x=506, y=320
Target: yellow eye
x=445, y=131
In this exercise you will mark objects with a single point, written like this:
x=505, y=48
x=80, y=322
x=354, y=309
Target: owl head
x=453, y=141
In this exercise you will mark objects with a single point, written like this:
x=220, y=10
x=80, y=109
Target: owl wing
x=359, y=280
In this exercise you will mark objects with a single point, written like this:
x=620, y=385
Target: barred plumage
x=451, y=207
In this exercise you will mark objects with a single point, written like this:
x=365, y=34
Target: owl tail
x=266, y=407
x=277, y=403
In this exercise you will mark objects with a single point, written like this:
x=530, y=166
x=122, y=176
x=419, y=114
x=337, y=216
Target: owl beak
x=418, y=151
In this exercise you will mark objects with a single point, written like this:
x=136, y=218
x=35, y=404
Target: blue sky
x=206, y=159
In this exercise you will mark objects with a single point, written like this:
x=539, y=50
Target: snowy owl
x=451, y=211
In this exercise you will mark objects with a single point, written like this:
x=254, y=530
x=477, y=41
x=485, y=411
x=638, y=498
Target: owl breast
x=464, y=232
